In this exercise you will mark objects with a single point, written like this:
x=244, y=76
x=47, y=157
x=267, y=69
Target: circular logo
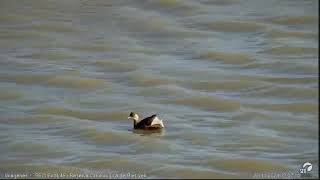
x=307, y=166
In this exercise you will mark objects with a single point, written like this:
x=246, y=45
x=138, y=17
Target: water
x=236, y=83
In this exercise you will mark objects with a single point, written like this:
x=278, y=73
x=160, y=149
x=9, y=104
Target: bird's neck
x=135, y=122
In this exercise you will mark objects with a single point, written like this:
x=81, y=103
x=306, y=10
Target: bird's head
x=133, y=116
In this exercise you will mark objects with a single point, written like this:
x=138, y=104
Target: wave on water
x=250, y=165
x=291, y=50
x=294, y=20
x=235, y=26
x=289, y=107
x=295, y=34
x=66, y=81
x=10, y=94
x=209, y=103
x=227, y=58
x=83, y=114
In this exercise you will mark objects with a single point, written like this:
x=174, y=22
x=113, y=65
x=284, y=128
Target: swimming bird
x=148, y=123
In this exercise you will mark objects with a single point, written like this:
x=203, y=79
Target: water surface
x=236, y=83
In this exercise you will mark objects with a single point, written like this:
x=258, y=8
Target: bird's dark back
x=146, y=121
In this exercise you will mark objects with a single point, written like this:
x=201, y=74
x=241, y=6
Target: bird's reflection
x=155, y=132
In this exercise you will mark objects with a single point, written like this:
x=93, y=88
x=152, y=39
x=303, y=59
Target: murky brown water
x=236, y=83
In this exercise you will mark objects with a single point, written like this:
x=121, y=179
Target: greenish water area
x=235, y=82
